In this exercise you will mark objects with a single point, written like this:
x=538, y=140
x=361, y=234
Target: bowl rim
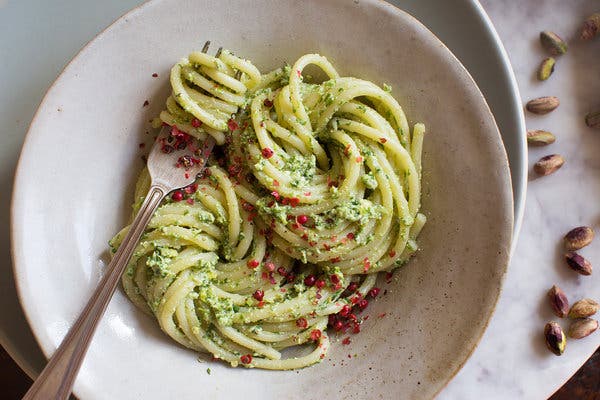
x=520, y=194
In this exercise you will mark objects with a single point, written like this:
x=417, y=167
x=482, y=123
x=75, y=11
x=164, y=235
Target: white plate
x=58, y=330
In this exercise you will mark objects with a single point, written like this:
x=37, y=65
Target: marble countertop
x=511, y=361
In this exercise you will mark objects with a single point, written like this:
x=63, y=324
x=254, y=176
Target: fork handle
x=56, y=380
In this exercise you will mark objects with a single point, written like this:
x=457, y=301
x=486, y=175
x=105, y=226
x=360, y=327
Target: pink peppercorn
x=177, y=196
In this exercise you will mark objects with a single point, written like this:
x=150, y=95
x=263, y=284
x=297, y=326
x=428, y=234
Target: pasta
x=315, y=190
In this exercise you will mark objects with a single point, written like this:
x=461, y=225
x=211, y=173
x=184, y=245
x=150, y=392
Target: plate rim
x=516, y=214
x=520, y=197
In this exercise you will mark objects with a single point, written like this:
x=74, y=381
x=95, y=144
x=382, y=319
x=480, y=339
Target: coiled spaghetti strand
x=320, y=180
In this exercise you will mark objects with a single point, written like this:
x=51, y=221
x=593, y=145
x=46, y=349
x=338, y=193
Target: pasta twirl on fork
x=315, y=190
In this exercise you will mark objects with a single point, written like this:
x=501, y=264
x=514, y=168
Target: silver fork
x=170, y=169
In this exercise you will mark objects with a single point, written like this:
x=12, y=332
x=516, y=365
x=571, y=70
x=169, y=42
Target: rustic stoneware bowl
x=74, y=186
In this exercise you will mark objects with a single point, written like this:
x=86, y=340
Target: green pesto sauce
x=356, y=210
x=369, y=180
x=276, y=211
x=160, y=259
x=284, y=80
x=222, y=308
x=301, y=169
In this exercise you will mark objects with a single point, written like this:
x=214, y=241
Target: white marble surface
x=511, y=361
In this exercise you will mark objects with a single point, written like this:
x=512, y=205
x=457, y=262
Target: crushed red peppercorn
x=191, y=189
x=374, y=292
x=253, y=263
x=315, y=334
x=247, y=206
x=258, y=295
x=331, y=319
x=364, y=303
x=186, y=161
x=310, y=280
x=175, y=131
x=267, y=153
x=269, y=266
x=352, y=287
x=366, y=264
x=301, y=323
x=246, y=358
x=177, y=195
x=338, y=325
x=232, y=125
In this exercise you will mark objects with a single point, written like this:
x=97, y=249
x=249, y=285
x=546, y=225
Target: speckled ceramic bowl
x=85, y=135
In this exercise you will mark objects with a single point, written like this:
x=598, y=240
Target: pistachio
x=578, y=263
x=553, y=43
x=555, y=338
x=593, y=119
x=548, y=164
x=539, y=137
x=558, y=301
x=579, y=237
x=582, y=328
x=546, y=68
x=591, y=27
x=584, y=308
x=542, y=105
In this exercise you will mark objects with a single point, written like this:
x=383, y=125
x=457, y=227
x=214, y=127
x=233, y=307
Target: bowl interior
x=75, y=181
